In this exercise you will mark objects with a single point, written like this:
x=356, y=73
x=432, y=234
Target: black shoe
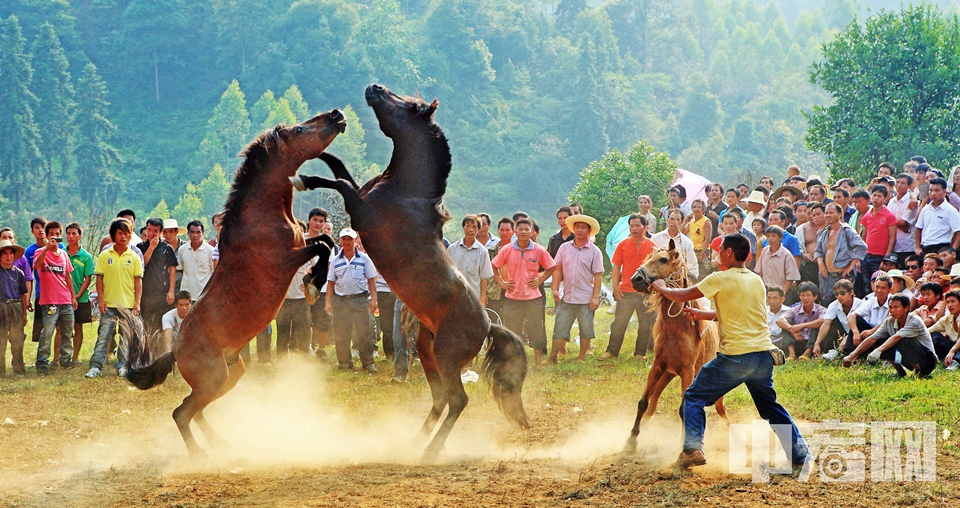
x=70, y=365
x=43, y=372
x=345, y=366
x=690, y=458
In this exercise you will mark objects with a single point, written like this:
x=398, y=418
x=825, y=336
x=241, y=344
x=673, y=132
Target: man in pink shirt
x=516, y=270
x=576, y=285
x=57, y=301
x=879, y=226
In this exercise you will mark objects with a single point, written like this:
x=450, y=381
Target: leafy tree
x=161, y=211
x=566, y=13
x=260, y=111
x=54, y=89
x=280, y=114
x=609, y=187
x=349, y=146
x=153, y=31
x=96, y=156
x=227, y=129
x=213, y=191
x=20, y=157
x=299, y=107
x=895, y=84
x=189, y=207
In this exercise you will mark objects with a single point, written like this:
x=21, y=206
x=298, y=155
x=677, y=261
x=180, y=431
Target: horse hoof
x=298, y=183
x=630, y=448
x=429, y=457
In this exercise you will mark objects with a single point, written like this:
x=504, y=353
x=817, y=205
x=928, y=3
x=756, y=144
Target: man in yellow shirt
x=119, y=272
x=744, y=355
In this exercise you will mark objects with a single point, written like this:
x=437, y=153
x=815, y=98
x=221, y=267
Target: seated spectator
x=902, y=283
x=776, y=265
x=835, y=327
x=889, y=262
x=930, y=311
x=946, y=331
x=173, y=318
x=901, y=332
x=948, y=255
x=800, y=319
x=776, y=309
x=870, y=314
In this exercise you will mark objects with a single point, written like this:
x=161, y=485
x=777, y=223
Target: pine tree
x=261, y=110
x=20, y=156
x=95, y=155
x=54, y=89
x=297, y=105
x=227, y=129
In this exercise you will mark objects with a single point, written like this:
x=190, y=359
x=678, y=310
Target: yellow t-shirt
x=696, y=232
x=118, y=272
x=740, y=299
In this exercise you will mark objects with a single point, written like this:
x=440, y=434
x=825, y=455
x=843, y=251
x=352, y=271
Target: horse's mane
x=255, y=157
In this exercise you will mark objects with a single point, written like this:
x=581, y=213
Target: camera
x=839, y=465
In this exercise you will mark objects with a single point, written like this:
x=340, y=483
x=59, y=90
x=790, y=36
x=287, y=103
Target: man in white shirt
x=835, y=327
x=938, y=224
x=170, y=322
x=683, y=244
x=195, y=260
x=471, y=258
x=870, y=314
x=906, y=217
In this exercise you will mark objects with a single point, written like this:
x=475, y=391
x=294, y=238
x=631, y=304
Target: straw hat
x=586, y=219
x=17, y=250
x=954, y=272
x=797, y=194
x=897, y=274
x=756, y=197
x=172, y=224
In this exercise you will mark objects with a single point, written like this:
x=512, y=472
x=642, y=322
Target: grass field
x=305, y=434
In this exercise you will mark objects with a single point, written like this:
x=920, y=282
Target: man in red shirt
x=58, y=300
x=516, y=270
x=627, y=258
x=879, y=227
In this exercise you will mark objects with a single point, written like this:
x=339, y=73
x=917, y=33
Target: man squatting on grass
x=744, y=354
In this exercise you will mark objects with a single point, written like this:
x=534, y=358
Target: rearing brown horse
x=399, y=215
x=261, y=248
x=681, y=345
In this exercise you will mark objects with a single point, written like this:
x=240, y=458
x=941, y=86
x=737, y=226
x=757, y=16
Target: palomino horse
x=261, y=248
x=681, y=345
x=399, y=215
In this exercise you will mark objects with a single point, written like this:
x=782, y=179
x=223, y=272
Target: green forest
x=109, y=104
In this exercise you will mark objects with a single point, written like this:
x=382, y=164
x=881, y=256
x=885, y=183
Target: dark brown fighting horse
x=681, y=345
x=399, y=215
x=261, y=248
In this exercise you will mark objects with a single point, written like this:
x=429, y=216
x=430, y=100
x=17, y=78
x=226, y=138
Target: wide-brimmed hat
x=954, y=272
x=172, y=224
x=897, y=274
x=757, y=197
x=17, y=250
x=351, y=233
x=797, y=194
x=586, y=219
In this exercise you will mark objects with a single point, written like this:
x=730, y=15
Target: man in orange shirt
x=627, y=258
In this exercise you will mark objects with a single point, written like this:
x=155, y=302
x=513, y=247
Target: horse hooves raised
x=298, y=183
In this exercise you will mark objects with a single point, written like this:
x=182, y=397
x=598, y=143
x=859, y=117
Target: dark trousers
x=935, y=248
x=293, y=326
x=870, y=264
x=835, y=336
x=352, y=316
x=942, y=346
x=630, y=304
x=385, y=301
x=848, y=345
x=37, y=320
x=263, y=347
x=11, y=332
x=525, y=314
x=912, y=356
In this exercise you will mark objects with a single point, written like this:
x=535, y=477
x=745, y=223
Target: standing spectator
x=14, y=300
x=842, y=197
x=676, y=198
x=516, y=271
x=483, y=236
x=938, y=224
x=904, y=208
x=879, y=227
x=172, y=231
x=293, y=318
x=58, y=300
x=159, y=279
x=471, y=259
x=119, y=272
x=699, y=229
x=629, y=256
x=839, y=251
x=564, y=235
x=319, y=319
x=807, y=237
x=505, y=229
x=21, y=263
x=728, y=226
x=195, y=260
x=715, y=206
x=36, y=228
x=82, y=275
x=835, y=327
x=776, y=265
x=577, y=279
x=644, y=204
x=128, y=214
x=861, y=202
x=683, y=244
x=172, y=320
x=354, y=281
x=948, y=255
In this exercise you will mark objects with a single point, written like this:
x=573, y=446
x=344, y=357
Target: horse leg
x=207, y=373
x=235, y=371
x=686, y=379
x=359, y=210
x=452, y=350
x=428, y=361
x=657, y=380
x=339, y=170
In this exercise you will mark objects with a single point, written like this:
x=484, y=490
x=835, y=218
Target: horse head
x=309, y=139
x=395, y=113
x=662, y=264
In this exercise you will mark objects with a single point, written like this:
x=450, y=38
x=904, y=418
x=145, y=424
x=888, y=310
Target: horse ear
x=672, y=246
x=433, y=106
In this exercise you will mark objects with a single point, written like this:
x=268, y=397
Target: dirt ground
x=305, y=435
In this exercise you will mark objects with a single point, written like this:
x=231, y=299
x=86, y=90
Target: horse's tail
x=140, y=373
x=505, y=368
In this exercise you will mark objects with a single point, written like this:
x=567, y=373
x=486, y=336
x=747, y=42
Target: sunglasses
x=913, y=267
x=842, y=293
